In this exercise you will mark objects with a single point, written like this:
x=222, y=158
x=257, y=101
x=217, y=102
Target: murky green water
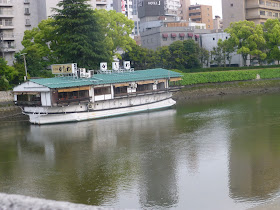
x=218, y=154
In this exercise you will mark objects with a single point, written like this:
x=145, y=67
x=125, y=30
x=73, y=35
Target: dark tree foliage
x=78, y=35
x=179, y=55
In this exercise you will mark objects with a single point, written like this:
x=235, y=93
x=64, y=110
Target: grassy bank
x=235, y=88
x=228, y=76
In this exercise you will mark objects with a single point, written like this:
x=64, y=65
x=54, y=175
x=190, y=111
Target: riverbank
x=212, y=90
x=17, y=202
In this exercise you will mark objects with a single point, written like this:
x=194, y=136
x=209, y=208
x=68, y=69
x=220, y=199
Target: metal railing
x=28, y=103
x=71, y=100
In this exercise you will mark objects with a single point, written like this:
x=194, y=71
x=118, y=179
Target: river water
x=222, y=153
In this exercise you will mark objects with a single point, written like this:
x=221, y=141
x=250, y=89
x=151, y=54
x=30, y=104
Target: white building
x=209, y=41
x=16, y=16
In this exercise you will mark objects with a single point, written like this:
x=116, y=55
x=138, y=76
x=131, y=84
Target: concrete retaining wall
x=19, y=202
x=6, y=96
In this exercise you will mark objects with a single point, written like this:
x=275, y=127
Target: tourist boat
x=76, y=94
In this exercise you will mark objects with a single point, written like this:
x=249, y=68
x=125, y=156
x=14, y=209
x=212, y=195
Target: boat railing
x=139, y=93
x=72, y=100
x=28, y=103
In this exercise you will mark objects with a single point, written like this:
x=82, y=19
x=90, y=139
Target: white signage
x=103, y=66
x=126, y=65
x=116, y=66
x=154, y=3
x=64, y=68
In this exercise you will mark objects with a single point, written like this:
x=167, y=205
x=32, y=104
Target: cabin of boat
x=116, y=92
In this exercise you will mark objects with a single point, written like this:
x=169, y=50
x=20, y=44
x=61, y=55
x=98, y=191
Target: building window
x=26, y=11
x=27, y=22
x=262, y=12
x=231, y=5
x=261, y=2
x=213, y=38
x=164, y=38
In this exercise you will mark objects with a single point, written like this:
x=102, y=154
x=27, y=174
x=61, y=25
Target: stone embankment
x=20, y=202
x=8, y=111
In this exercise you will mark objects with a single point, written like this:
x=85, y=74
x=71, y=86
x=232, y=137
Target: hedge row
x=229, y=68
x=228, y=76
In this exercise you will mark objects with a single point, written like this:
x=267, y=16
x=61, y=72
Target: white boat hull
x=38, y=118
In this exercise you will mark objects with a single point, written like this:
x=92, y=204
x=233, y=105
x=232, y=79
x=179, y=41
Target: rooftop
x=100, y=79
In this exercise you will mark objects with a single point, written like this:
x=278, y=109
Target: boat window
x=145, y=87
x=120, y=90
x=73, y=95
x=29, y=99
x=102, y=91
x=161, y=86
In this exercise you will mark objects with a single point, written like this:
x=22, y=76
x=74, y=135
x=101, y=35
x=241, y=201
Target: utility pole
x=2, y=44
x=25, y=77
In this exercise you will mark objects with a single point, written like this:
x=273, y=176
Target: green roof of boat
x=100, y=79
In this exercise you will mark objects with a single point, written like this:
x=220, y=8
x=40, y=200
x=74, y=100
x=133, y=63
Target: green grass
x=228, y=76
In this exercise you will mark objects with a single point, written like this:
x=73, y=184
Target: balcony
x=8, y=36
x=4, y=26
x=6, y=3
x=26, y=1
x=101, y=2
x=6, y=14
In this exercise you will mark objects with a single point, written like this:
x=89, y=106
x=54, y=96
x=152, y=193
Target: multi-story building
x=201, y=14
x=151, y=12
x=257, y=11
x=184, y=10
x=95, y=4
x=217, y=23
x=170, y=32
x=129, y=9
x=16, y=16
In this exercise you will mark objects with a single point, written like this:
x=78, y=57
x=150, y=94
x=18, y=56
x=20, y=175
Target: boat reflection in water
x=90, y=162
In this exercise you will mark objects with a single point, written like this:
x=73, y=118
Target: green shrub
x=229, y=68
x=228, y=76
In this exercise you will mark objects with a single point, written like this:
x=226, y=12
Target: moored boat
x=76, y=94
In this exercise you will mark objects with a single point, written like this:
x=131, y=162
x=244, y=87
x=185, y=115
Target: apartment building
x=152, y=12
x=217, y=23
x=95, y=4
x=201, y=14
x=129, y=9
x=16, y=16
x=257, y=11
x=170, y=32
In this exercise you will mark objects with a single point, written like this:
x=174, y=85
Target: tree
x=9, y=75
x=163, y=57
x=204, y=56
x=39, y=46
x=191, y=50
x=223, y=52
x=138, y=57
x=248, y=39
x=78, y=35
x=218, y=55
x=272, y=38
x=117, y=29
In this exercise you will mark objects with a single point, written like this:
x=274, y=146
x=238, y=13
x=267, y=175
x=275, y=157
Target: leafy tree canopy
x=78, y=37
